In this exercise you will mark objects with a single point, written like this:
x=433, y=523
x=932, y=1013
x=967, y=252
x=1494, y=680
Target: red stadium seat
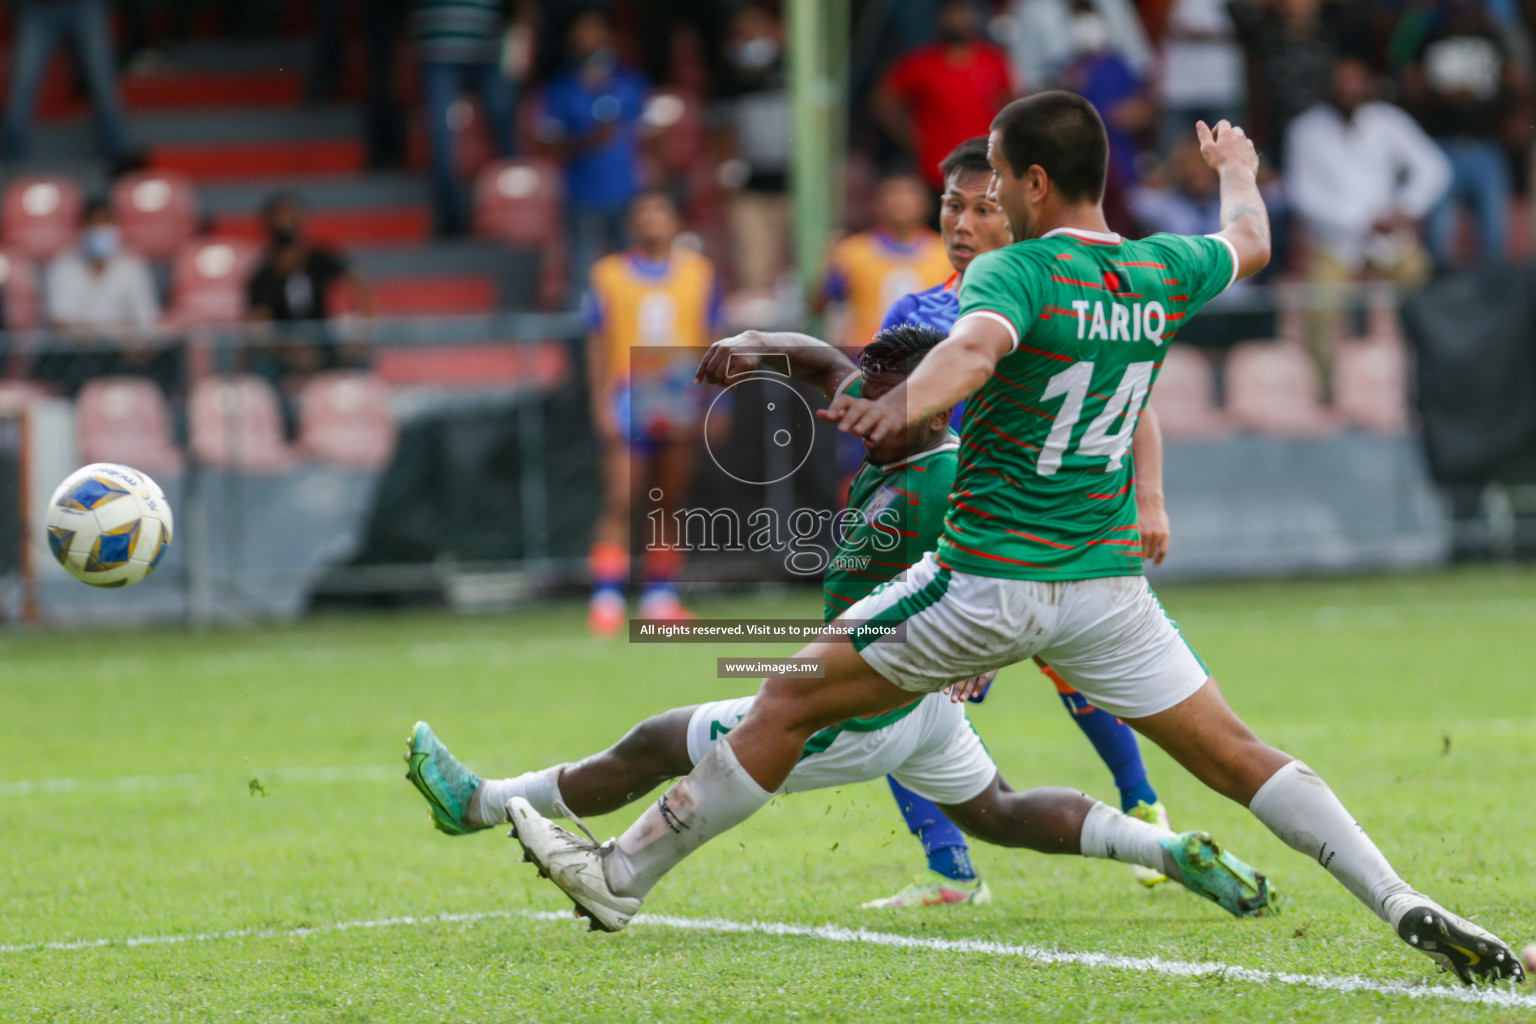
x=1185, y=396
x=42, y=215
x=208, y=281
x=18, y=286
x=344, y=418
x=675, y=119
x=236, y=423
x=518, y=201
x=125, y=419
x=1370, y=384
x=156, y=211
x=1272, y=387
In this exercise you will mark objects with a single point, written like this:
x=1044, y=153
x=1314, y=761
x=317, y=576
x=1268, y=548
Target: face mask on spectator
x=99, y=242
x=755, y=54
x=1089, y=33
x=282, y=235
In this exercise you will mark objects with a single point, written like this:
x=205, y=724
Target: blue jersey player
x=971, y=224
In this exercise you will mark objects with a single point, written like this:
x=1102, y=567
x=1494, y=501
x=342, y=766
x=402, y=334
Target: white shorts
x=933, y=751
x=1108, y=637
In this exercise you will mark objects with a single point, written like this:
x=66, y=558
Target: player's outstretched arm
x=950, y=373
x=808, y=359
x=1244, y=219
x=1151, y=515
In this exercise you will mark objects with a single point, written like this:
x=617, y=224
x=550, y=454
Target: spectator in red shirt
x=941, y=94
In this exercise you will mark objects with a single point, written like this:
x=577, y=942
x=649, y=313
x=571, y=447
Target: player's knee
x=782, y=704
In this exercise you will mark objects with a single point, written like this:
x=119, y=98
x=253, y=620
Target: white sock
x=541, y=789
x=717, y=795
x=1113, y=835
x=1301, y=809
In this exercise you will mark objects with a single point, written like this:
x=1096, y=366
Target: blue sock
x=1116, y=744
x=942, y=841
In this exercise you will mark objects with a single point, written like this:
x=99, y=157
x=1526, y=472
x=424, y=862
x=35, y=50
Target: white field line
x=1501, y=996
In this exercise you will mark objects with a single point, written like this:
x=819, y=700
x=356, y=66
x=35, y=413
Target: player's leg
x=672, y=476
x=1115, y=743
x=1130, y=659
x=653, y=752
x=951, y=878
x=608, y=559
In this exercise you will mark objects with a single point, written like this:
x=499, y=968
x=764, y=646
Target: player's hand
x=1227, y=147
x=1152, y=523
x=731, y=357
x=968, y=688
x=864, y=418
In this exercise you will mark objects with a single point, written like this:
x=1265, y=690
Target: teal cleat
x=447, y=784
x=1208, y=870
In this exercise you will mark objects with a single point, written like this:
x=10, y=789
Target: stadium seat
x=345, y=418
x=1185, y=396
x=518, y=202
x=208, y=281
x=236, y=423
x=18, y=394
x=19, y=288
x=675, y=120
x=1370, y=384
x=125, y=419
x=157, y=212
x=42, y=215
x=1272, y=387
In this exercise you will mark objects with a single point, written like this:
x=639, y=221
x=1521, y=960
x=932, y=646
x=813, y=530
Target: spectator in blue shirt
x=591, y=121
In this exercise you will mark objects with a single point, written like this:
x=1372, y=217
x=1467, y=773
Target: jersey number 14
x=1126, y=402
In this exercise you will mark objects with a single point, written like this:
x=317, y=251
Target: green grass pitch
x=165, y=784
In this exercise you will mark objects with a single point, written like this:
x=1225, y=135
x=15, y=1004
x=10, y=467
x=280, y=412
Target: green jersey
x=895, y=515
x=1046, y=484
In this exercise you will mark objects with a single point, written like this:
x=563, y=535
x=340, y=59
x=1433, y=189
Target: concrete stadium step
x=514, y=271
x=337, y=157
x=75, y=138
x=373, y=191
x=399, y=225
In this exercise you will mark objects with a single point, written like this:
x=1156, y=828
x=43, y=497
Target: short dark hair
x=1064, y=135
x=899, y=349
x=970, y=157
x=283, y=197
x=645, y=195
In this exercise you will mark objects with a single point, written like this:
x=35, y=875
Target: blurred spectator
x=1291, y=47
x=1183, y=197
x=40, y=25
x=1202, y=74
x=941, y=94
x=872, y=269
x=659, y=22
x=759, y=119
x=1042, y=44
x=591, y=121
x=1361, y=176
x=294, y=282
x=1460, y=86
x=1099, y=74
x=458, y=43
x=650, y=310
x=101, y=299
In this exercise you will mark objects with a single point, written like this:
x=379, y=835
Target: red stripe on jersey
x=973, y=508
x=1170, y=280
x=840, y=597
x=997, y=473
x=1133, y=526
x=1177, y=316
x=1140, y=263
x=995, y=558
x=1178, y=298
x=893, y=565
x=891, y=529
x=1012, y=382
x=1063, y=255
x=1009, y=437
x=1116, y=540
x=1042, y=540
x=1048, y=355
x=1045, y=316
x=1058, y=309
x=918, y=469
x=1070, y=280
x=1117, y=494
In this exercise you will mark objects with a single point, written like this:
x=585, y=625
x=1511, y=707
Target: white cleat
x=572, y=863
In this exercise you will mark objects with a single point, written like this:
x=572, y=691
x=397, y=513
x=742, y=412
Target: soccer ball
x=109, y=525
